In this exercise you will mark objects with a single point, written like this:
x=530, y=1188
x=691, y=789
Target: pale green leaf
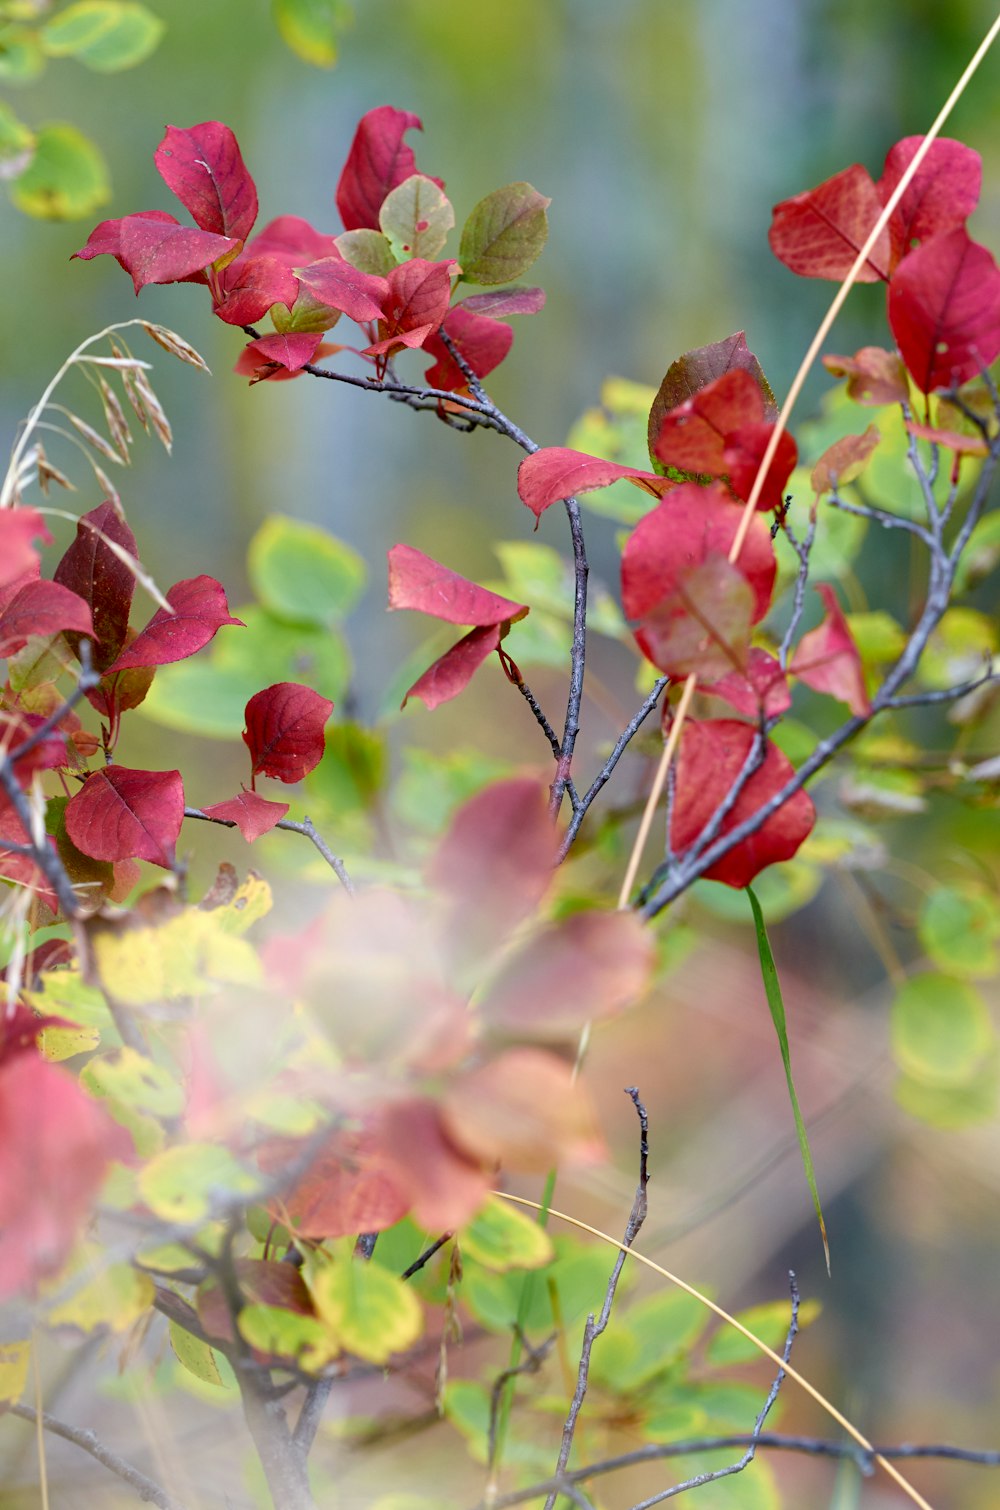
x=302, y=573
x=501, y=1237
x=941, y=1030
x=416, y=217
x=311, y=27
x=504, y=234
x=195, y=1355
x=769, y=1321
x=67, y=179
x=106, y=35
x=183, y=1183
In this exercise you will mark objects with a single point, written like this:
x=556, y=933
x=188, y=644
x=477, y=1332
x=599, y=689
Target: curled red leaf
x=451, y=673
x=284, y=730
x=198, y=610
x=154, y=247
x=417, y=581
x=248, y=287
x=378, y=160
x=556, y=472
x=253, y=815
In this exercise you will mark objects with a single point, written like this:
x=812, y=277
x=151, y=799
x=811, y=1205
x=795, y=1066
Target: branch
x=604, y=774
x=145, y=1487
x=541, y=720
x=593, y=1329
x=306, y=827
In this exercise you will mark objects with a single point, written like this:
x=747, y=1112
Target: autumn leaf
x=121, y=814
x=205, y=169
x=284, y=730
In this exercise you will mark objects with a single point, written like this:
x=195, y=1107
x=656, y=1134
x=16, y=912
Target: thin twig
x=306, y=827
x=89, y=1442
x=427, y=1255
x=604, y=774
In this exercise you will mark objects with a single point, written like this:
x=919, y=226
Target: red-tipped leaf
x=378, y=161
x=556, y=472
x=40, y=608
x=416, y=581
x=253, y=815
x=827, y=658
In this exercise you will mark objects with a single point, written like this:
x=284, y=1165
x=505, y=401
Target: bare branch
x=147, y=1490
x=306, y=827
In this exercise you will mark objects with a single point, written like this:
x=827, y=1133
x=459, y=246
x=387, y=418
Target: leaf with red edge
x=284, y=730
x=691, y=524
x=261, y=1282
x=291, y=351
x=711, y=756
x=444, y=1185
x=494, y=864
x=692, y=437
x=250, y=285
x=118, y=691
x=204, y=168
x=943, y=192
x=253, y=815
x=944, y=310
x=451, y=673
x=378, y=161
x=874, y=376
x=19, y=529
x=415, y=304
x=57, y=1144
x=556, y=472
x=700, y=368
x=588, y=966
x=40, y=608
x=154, y=247
x=761, y=691
x=819, y=233
x=338, y=285
x=120, y=814
x=349, y=1187
x=98, y=574
x=525, y=1110
x=742, y=455
x=952, y=440
x=482, y=341
x=703, y=626
x=198, y=610
x=845, y=460
x=291, y=240
x=501, y=303
x=417, y=581
x=828, y=660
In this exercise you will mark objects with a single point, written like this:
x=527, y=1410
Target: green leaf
x=958, y=648
x=657, y=1332
x=67, y=179
x=431, y=786
x=368, y=251
x=21, y=55
x=289, y=1334
x=183, y=1183
x=14, y=1360
x=959, y=927
x=501, y=1237
x=772, y=989
x=270, y=650
x=769, y=1322
x=135, y=1081
x=106, y=35
x=538, y=575
x=310, y=28
x=974, y=1101
x=504, y=234
x=877, y=635
x=194, y=1355
x=303, y=574
x=17, y=144
x=353, y=770
x=372, y=1312
x=416, y=217
x=941, y=1030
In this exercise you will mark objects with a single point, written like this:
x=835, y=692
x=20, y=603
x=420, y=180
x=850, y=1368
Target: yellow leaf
x=372, y=1312
x=14, y=1360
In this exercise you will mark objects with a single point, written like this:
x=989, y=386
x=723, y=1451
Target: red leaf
x=416, y=581
x=22, y=868
x=481, y=341
x=378, y=161
x=494, y=864
x=250, y=285
x=117, y=691
x=874, y=377
x=501, y=303
x=952, y=440
x=588, y=966
x=525, y=1110
x=338, y=285
x=691, y=524
x=415, y=304
x=92, y=569
x=154, y=247
x=19, y=528
x=41, y=608
x=944, y=310
x=444, y=1186
x=284, y=730
x=827, y=658
x=743, y=454
x=292, y=241
x=845, y=460
x=698, y=369
x=120, y=814
x=692, y=437
x=943, y=192
x=291, y=351
x=819, y=234
x=711, y=756
x=199, y=609
x=451, y=672
x=763, y=690
x=556, y=472
x=56, y=1143
x=259, y=369
x=252, y=814
x=204, y=168
x=349, y=1187
x=703, y=626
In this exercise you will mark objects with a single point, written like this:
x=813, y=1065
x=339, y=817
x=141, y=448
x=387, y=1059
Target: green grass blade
x=772, y=989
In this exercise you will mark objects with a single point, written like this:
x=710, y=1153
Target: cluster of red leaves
x=306, y=279
x=943, y=287
x=436, y=1095
x=120, y=815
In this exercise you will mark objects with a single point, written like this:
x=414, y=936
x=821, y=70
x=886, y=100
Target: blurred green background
x=663, y=130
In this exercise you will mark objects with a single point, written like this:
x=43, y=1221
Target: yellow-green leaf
x=114, y=1296
x=14, y=1360
x=372, y=1312
x=194, y=1355
x=769, y=1322
x=17, y=143
x=67, y=179
x=185, y=956
x=501, y=1237
x=183, y=1183
x=106, y=35
x=303, y=574
x=289, y=1334
x=504, y=234
x=310, y=28
x=416, y=217
x=941, y=1030
x=959, y=928
x=21, y=57
x=63, y=1043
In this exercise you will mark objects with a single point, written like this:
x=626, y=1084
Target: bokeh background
x=664, y=130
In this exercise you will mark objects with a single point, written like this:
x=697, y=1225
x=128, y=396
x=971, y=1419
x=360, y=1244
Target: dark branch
x=306, y=827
